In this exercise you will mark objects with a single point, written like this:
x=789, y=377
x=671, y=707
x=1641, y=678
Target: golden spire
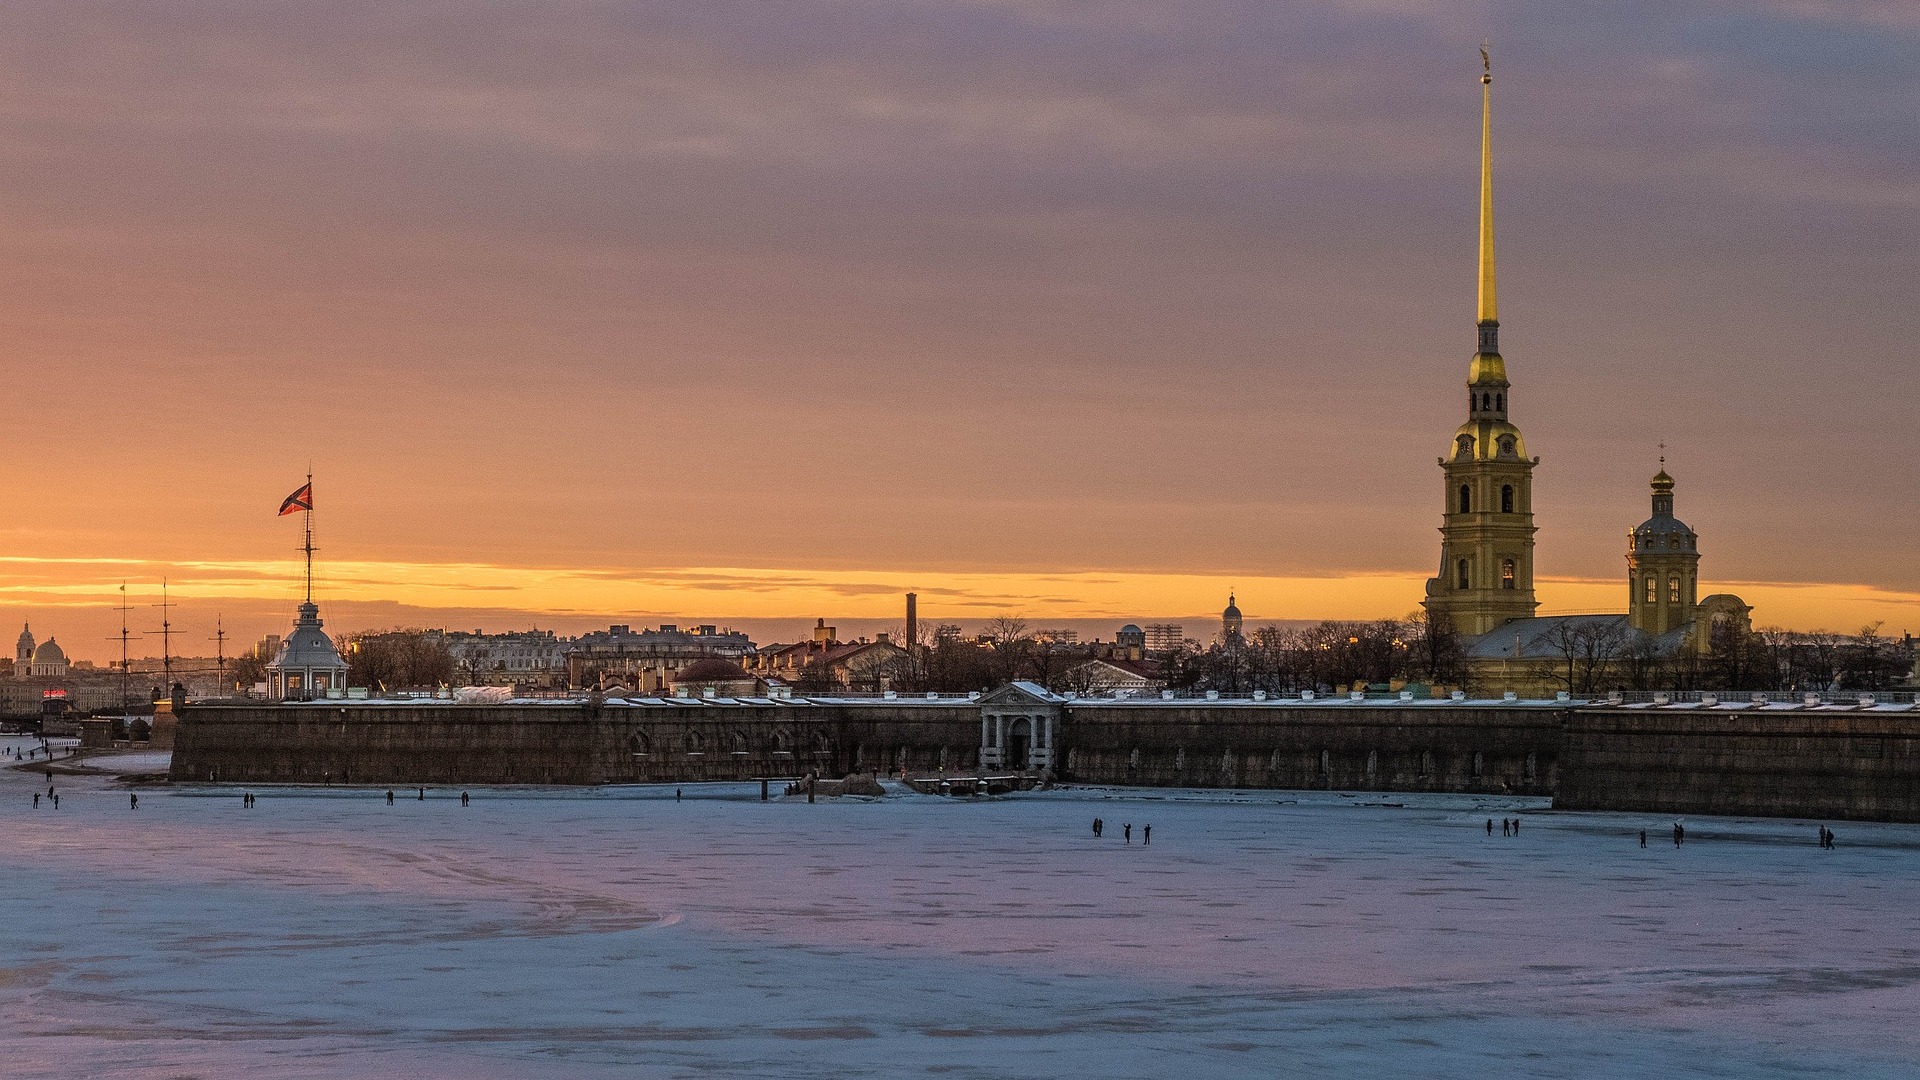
x=1489, y=309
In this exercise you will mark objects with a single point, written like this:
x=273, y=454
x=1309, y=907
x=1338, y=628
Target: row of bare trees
x=1592, y=657
x=1273, y=658
x=396, y=659
x=1325, y=657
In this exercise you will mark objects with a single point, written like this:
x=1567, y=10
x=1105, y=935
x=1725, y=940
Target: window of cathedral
x=1506, y=573
x=1653, y=588
x=1500, y=401
x=1507, y=446
x=1466, y=576
x=1673, y=589
x=1506, y=498
x=1466, y=499
x=1466, y=445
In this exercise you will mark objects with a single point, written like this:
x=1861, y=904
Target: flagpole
x=309, y=547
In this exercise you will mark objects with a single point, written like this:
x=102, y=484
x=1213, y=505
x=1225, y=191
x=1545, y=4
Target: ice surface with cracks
x=618, y=932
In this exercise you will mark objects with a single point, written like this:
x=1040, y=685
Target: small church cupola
x=1663, y=566
x=1230, y=622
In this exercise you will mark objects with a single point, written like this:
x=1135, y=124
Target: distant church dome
x=712, y=670
x=1663, y=531
x=50, y=653
x=1230, y=622
x=723, y=677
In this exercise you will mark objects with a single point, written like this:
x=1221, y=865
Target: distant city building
x=1131, y=641
x=1109, y=674
x=1164, y=637
x=515, y=658
x=1057, y=637
x=647, y=660
x=824, y=661
x=714, y=677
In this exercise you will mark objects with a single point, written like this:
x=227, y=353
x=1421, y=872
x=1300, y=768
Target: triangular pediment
x=1021, y=693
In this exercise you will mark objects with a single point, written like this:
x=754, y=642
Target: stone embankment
x=1796, y=759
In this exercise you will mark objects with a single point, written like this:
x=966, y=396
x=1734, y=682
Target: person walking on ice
x=1146, y=835
x=1127, y=831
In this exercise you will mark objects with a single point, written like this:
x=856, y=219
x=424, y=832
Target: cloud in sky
x=995, y=288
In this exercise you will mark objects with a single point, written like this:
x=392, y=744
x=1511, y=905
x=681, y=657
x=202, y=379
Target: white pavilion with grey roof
x=309, y=666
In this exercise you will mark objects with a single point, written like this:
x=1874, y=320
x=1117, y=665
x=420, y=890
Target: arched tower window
x=1466, y=498
x=1466, y=576
x=1500, y=401
x=1673, y=588
x=1506, y=573
x=1653, y=588
x=1506, y=498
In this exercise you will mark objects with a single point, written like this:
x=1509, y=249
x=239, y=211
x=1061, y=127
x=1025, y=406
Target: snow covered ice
x=620, y=933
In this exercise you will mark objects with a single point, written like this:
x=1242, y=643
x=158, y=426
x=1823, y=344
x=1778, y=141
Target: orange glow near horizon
x=256, y=598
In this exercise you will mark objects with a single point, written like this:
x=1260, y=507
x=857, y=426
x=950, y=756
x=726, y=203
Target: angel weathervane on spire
x=1486, y=61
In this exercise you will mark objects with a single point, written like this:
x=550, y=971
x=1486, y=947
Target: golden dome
x=1488, y=440
x=1488, y=369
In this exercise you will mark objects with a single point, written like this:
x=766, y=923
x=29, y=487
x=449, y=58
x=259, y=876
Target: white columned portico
x=1001, y=712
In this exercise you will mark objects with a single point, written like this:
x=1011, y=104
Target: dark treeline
x=396, y=659
x=1594, y=659
x=1327, y=657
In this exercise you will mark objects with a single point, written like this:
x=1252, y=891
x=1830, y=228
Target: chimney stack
x=913, y=621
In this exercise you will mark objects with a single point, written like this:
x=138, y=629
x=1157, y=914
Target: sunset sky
x=1089, y=310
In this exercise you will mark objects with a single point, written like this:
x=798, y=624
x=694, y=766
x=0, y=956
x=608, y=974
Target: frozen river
x=619, y=933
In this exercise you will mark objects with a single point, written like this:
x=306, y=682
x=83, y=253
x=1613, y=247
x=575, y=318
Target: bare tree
x=393, y=659
x=1586, y=652
x=1011, y=640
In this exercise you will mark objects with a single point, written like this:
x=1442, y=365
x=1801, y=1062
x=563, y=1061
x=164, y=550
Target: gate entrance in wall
x=1018, y=725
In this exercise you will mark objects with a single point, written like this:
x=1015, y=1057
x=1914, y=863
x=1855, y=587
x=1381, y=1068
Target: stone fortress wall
x=1828, y=761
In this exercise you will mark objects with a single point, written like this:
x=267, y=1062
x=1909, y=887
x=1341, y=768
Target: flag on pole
x=299, y=500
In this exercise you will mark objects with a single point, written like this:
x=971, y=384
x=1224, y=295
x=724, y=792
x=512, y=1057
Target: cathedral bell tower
x=1486, y=551
x=1663, y=567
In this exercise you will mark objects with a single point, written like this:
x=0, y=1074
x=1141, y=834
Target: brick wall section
x=1839, y=764
x=441, y=743
x=1813, y=764
x=1338, y=747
